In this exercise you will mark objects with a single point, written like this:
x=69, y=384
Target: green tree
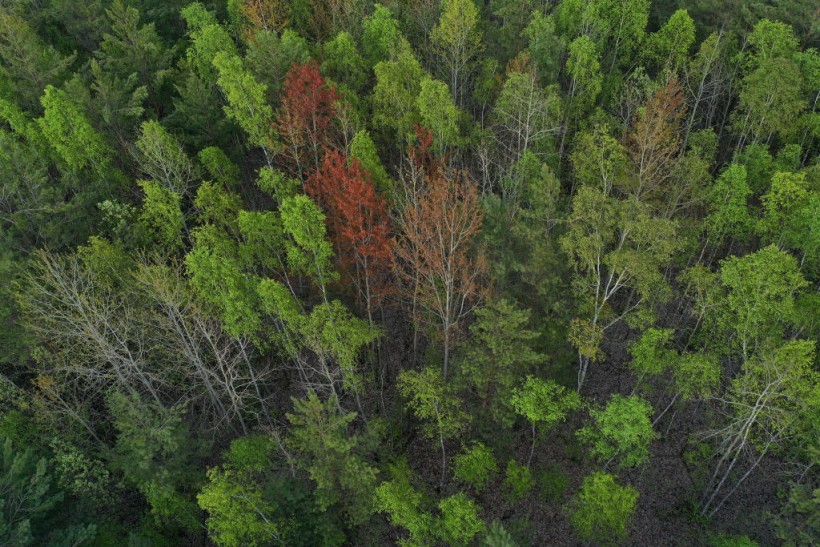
x=728, y=198
x=247, y=105
x=394, y=96
x=69, y=132
x=162, y=159
x=668, y=48
x=239, y=512
x=27, y=494
x=436, y=404
x=601, y=510
x=343, y=63
x=544, y=46
x=459, y=522
x=311, y=252
x=621, y=431
x=457, y=41
x=363, y=149
x=500, y=352
x=544, y=404
x=438, y=113
x=405, y=505
x=29, y=65
x=328, y=452
x=381, y=36
x=613, y=245
x=475, y=466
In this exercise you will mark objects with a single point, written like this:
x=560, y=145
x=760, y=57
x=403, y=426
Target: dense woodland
x=425, y=272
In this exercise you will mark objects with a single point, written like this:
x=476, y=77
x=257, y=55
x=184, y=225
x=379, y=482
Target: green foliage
x=621, y=431
x=518, y=481
x=552, y=483
x=438, y=113
x=497, y=536
x=157, y=454
x=246, y=100
x=343, y=63
x=328, y=454
x=761, y=296
x=363, y=149
x=162, y=217
x=475, y=466
x=650, y=356
x=381, y=36
x=601, y=510
x=697, y=376
x=544, y=46
x=501, y=351
x=405, y=505
x=67, y=129
x=311, y=252
x=729, y=214
x=398, y=84
x=27, y=494
x=433, y=402
x=239, y=513
x=544, y=403
x=459, y=522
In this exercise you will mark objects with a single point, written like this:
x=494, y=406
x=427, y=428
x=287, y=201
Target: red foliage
x=305, y=119
x=358, y=222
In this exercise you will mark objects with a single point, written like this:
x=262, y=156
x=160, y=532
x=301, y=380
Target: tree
x=653, y=145
x=771, y=94
x=544, y=46
x=457, y=42
x=475, y=466
x=310, y=252
x=28, y=495
x=434, y=402
x=357, y=219
x=760, y=301
x=434, y=256
x=305, y=118
x=404, y=504
x=381, y=36
x=69, y=132
x=613, y=244
x=328, y=453
x=499, y=353
x=789, y=216
x=246, y=102
x=669, y=46
x=459, y=522
x=394, y=96
x=601, y=510
x=29, y=65
x=363, y=149
x=343, y=63
x=238, y=514
x=438, y=114
x=622, y=430
x=770, y=406
x=728, y=198
x=208, y=41
x=544, y=404
x=584, y=69
x=163, y=160
x=526, y=116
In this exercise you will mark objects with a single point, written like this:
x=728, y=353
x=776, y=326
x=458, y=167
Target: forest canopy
x=429, y=272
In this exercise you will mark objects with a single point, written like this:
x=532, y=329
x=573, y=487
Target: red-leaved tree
x=358, y=223
x=305, y=118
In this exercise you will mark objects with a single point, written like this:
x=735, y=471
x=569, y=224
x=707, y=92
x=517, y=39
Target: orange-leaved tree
x=434, y=253
x=358, y=223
